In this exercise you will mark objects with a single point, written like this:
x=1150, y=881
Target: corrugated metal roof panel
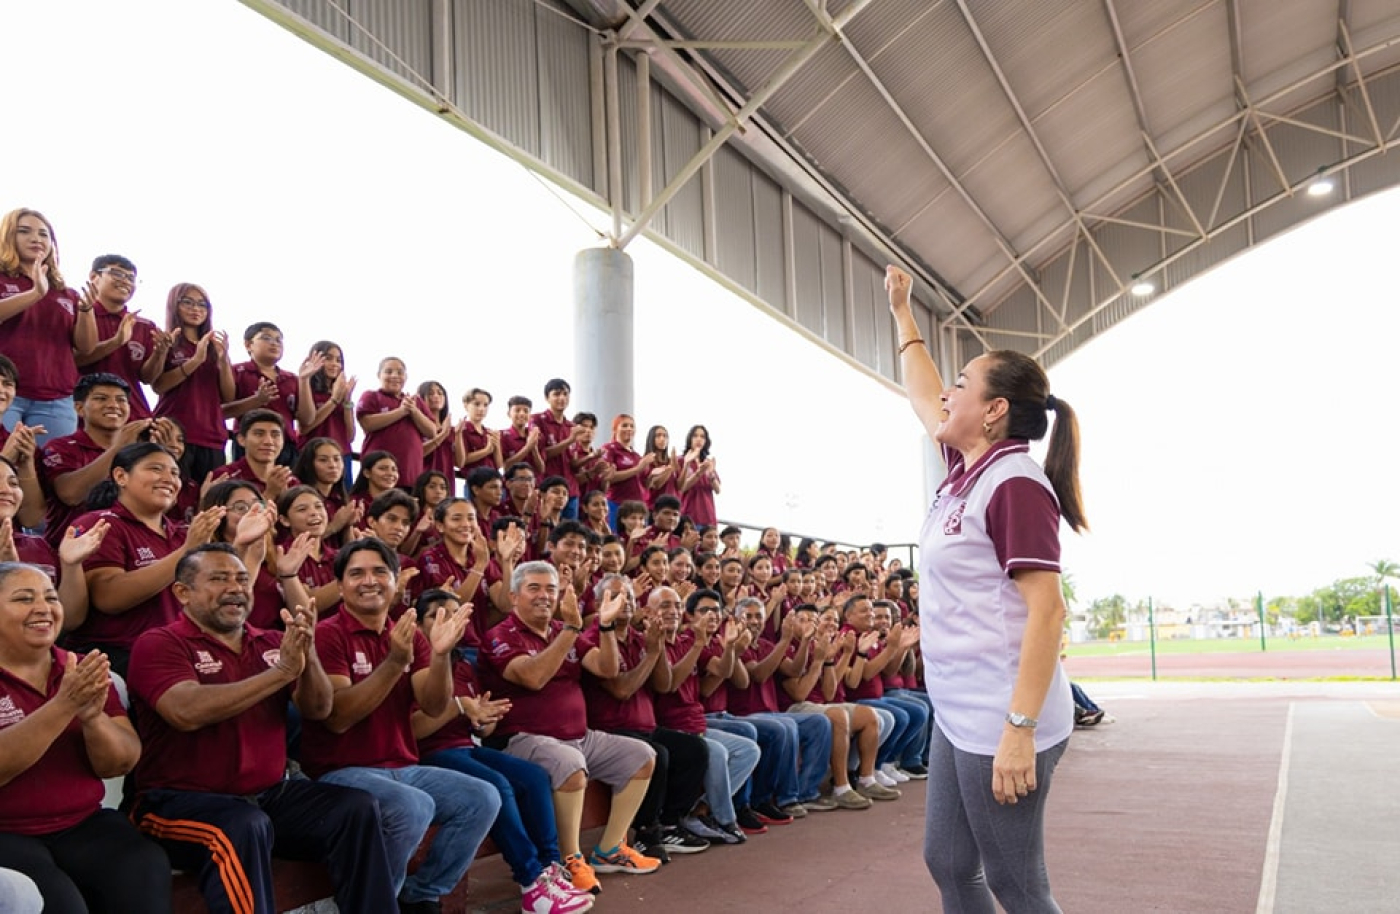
x=1092, y=130
x=566, y=116
x=1185, y=69
x=497, y=73
x=397, y=34
x=1046, y=50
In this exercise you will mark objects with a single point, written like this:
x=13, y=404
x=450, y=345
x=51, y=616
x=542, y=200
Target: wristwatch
x=1021, y=721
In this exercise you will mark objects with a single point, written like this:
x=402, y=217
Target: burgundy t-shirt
x=513, y=442
x=624, y=458
x=129, y=545
x=558, y=709
x=436, y=566
x=125, y=361
x=874, y=687
x=335, y=426
x=60, y=789
x=552, y=432
x=246, y=378
x=39, y=340
x=681, y=709
x=384, y=738
x=698, y=502
x=758, y=697
x=606, y=712
x=62, y=456
x=196, y=402
x=240, y=755
x=400, y=438
x=671, y=486
x=457, y=732
x=474, y=440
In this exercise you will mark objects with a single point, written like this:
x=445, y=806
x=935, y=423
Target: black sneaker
x=651, y=842
x=734, y=832
x=749, y=821
x=426, y=906
x=915, y=772
x=679, y=841
x=771, y=814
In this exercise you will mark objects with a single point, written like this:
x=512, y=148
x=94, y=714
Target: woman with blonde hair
x=42, y=324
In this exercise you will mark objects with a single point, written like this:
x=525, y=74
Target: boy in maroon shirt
x=211, y=693
x=126, y=342
x=520, y=443
x=558, y=437
x=260, y=383
x=262, y=437
x=533, y=659
x=74, y=463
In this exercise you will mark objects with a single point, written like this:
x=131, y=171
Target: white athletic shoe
x=884, y=780
x=890, y=771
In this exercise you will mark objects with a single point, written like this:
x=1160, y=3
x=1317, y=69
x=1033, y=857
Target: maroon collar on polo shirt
x=168, y=527
x=188, y=629
x=962, y=484
x=353, y=623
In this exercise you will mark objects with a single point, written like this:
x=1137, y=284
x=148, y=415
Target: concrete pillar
x=603, y=335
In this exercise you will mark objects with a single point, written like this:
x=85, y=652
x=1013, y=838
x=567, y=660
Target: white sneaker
x=546, y=896
x=884, y=780
x=890, y=771
x=560, y=877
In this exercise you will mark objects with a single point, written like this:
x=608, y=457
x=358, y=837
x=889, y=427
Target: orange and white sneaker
x=581, y=874
x=622, y=859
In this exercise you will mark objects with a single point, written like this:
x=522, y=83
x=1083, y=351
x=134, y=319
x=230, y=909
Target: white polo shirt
x=998, y=516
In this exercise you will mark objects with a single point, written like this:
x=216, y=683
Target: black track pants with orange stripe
x=229, y=841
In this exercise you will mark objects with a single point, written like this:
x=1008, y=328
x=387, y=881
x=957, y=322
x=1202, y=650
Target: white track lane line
x=1268, y=882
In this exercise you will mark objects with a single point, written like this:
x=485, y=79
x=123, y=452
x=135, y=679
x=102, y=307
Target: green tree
x=1107, y=614
x=1067, y=589
x=1343, y=597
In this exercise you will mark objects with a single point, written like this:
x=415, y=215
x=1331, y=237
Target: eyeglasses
x=267, y=338
x=193, y=303
x=121, y=276
x=239, y=507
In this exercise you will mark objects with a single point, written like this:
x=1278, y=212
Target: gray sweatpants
x=976, y=848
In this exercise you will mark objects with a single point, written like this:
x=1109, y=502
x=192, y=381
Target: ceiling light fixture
x=1320, y=186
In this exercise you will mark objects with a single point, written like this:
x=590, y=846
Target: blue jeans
x=775, y=778
x=904, y=742
x=56, y=416
x=814, y=751
x=411, y=799
x=732, y=760
x=524, y=830
x=919, y=708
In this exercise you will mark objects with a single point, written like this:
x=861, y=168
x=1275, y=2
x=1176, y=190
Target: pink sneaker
x=547, y=896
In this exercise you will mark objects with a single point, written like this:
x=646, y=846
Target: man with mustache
x=210, y=695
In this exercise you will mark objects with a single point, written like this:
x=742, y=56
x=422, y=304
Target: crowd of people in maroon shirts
x=477, y=626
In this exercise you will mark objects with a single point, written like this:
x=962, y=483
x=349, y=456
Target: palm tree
x=1384, y=570
x=1067, y=589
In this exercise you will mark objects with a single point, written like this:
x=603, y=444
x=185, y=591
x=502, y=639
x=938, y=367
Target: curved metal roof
x=1035, y=159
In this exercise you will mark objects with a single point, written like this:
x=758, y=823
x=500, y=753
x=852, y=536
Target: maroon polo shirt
x=59, y=790
x=240, y=755
x=196, y=402
x=36, y=551
x=436, y=566
x=242, y=470
x=606, y=712
x=513, y=442
x=384, y=738
x=247, y=376
x=758, y=697
x=648, y=538
x=457, y=732
x=698, y=502
x=874, y=687
x=785, y=700
x=552, y=432
x=335, y=426
x=558, y=709
x=681, y=709
x=61, y=456
x=474, y=440
x=125, y=361
x=39, y=340
x=129, y=545
x=400, y=438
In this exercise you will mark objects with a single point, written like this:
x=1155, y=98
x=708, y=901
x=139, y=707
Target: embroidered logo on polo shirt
x=361, y=665
x=205, y=663
x=9, y=288
x=144, y=554
x=9, y=714
x=136, y=350
x=953, y=525
x=499, y=648
x=271, y=657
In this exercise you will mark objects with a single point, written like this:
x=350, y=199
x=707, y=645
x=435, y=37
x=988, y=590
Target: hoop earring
x=986, y=430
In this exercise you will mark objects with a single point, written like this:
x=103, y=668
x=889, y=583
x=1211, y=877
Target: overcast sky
x=1239, y=434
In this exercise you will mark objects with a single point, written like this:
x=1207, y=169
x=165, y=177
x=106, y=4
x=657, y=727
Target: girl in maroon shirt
x=630, y=469
x=302, y=515
x=379, y=472
x=332, y=396
x=430, y=489
x=437, y=448
x=770, y=544
x=480, y=446
x=699, y=481
x=187, y=502
x=664, y=476
x=593, y=513
x=321, y=465
x=198, y=377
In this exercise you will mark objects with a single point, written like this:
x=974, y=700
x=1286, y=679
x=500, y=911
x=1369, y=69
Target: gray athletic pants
x=977, y=849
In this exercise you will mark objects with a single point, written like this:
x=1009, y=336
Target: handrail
x=909, y=558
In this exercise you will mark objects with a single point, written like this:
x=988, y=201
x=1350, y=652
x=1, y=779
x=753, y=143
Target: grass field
x=1228, y=646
